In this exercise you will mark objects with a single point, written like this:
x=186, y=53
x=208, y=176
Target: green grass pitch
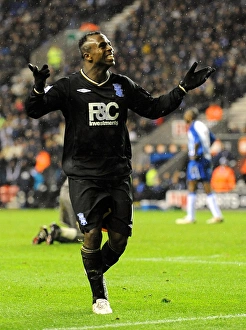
x=170, y=276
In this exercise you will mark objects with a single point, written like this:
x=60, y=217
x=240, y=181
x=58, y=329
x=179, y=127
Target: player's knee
x=93, y=238
x=118, y=243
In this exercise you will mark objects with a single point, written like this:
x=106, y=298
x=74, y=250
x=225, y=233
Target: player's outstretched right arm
x=40, y=77
x=43, y=100
x=35, y=103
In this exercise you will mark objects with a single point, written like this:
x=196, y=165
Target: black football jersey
x=96, y=141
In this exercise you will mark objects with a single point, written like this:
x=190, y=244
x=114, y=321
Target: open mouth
x=110, y=56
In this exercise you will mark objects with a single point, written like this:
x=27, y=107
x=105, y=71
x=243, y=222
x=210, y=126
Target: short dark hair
x=194, y=112
x=83, y=40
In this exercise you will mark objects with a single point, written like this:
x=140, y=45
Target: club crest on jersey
x=82, y=219
x=118, y=90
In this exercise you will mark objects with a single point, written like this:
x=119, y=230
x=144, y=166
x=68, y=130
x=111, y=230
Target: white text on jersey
x=99, y=114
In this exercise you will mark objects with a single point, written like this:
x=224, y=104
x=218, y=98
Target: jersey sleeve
x=54, y=98
x=150, y=107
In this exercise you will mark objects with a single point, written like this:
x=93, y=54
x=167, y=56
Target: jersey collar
x=94, y=82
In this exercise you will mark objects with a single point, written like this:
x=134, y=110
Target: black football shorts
x=99, y=201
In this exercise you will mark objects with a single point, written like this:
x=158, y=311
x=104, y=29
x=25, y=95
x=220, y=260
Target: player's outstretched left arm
x=194, y=79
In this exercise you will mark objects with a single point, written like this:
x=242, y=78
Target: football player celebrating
x=97, y=150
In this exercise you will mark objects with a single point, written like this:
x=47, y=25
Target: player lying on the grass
x=69, y=231
x=97, y=150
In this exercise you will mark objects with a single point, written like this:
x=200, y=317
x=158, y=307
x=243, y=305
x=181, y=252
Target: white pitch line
x=133, y=324
x=188, y=260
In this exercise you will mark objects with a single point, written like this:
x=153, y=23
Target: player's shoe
x=101, y=306
x=184, y=221
x=214, y=220
x=54, y=235
x=41, y=236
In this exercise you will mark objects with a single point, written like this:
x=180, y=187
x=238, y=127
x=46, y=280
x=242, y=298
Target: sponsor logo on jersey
x=118, y=90
x=82, y=219
x=101, y=114
x=83, y=90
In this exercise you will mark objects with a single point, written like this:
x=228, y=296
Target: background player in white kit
x=199, y=168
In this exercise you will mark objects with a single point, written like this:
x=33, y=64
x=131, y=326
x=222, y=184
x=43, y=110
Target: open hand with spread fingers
x=194, y=79
x=40, y=76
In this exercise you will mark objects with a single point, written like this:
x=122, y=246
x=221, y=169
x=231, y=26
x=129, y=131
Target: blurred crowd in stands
x=229, y=168
x=154, y=46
